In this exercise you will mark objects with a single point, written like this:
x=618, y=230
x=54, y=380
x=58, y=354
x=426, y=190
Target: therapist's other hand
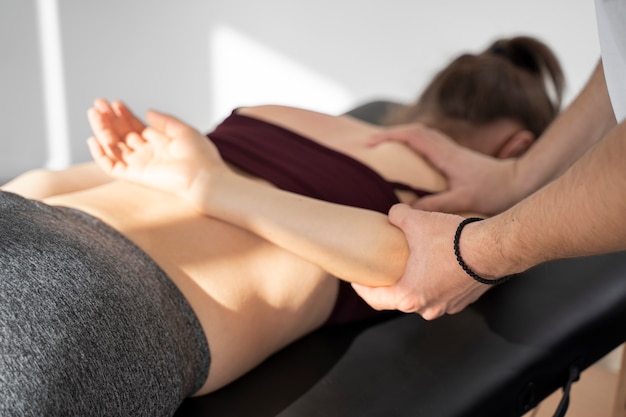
x=167, y=154
x=433, y=283
x=476, y=183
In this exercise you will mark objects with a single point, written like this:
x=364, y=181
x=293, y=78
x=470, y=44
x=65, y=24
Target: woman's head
x=515, y=85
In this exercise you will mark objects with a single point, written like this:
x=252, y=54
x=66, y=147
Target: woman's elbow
x=386, y=268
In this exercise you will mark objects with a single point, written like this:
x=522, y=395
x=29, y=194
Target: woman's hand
x=167, y=154
x=476, y=183
x=112, y=121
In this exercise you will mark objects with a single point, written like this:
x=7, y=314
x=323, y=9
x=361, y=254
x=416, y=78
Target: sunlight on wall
x=246, y=72
x=55, y=103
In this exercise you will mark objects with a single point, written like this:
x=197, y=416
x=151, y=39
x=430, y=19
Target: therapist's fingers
x=379, y=298
x=397, y=134
x=394, y=298
x=446, y=201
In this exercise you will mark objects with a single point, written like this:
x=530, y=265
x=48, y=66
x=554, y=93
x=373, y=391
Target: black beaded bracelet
x=466, y=268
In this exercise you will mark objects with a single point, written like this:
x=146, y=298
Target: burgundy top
x=297, y=164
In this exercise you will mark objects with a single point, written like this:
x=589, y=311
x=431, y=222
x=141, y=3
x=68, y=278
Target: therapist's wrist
x=487, y=250
x=506, y=187
x=526, y=178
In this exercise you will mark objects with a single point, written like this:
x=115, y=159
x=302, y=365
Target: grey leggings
x=89, y=324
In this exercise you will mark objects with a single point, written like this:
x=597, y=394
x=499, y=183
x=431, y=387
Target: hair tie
x=528, y=63
x=519, y=58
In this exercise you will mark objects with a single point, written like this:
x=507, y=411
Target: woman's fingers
x=134, y=141
x=102, y=106
x=101, y=126
x=169, y=125
x=131, y=123
x=112, y=122
x=116, y=129
x=98, y=154
x=155, y=137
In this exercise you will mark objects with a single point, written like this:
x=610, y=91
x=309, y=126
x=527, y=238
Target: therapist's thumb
x=403, y=216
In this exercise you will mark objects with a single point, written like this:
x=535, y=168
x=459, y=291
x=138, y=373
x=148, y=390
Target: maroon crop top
x=297, y=164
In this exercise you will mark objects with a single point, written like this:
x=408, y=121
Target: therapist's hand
x=433, y=283
x=476, y=183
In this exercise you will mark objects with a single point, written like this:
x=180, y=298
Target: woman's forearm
x=352, y=244
x=585, y=121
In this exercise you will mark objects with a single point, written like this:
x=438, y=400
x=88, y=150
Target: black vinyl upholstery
x=499, y=357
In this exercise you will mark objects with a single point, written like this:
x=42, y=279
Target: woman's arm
x=39, y=184
x=353, y=244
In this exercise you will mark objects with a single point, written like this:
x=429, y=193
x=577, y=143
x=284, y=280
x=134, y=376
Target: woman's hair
x=518, y=78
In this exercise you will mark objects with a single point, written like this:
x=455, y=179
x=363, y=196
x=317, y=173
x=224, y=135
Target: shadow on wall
x=199, y=59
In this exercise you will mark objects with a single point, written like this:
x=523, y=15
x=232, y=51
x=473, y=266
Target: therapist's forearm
x=587, y=119
x=352, y=244
x=579, y=214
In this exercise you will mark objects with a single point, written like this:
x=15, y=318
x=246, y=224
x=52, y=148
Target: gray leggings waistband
x=89, y=324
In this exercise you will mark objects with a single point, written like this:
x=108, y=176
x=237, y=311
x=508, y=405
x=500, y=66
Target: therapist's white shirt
x=611, y=17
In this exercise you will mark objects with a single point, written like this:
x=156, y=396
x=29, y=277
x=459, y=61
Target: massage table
x=501, y=356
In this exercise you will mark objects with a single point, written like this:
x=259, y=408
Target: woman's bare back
x=251, y=297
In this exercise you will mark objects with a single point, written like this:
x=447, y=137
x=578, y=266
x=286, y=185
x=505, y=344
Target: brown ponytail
x=518, y=78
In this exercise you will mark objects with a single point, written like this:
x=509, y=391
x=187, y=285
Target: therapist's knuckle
x=433, y=313
x=407, y=305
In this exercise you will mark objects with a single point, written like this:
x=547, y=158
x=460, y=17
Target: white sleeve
x=611, y=17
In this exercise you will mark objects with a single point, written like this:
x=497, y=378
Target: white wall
x=22, y=133
x=198, y=59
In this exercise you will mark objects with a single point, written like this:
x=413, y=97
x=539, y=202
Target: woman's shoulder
x=321, y=127
x=393, y=161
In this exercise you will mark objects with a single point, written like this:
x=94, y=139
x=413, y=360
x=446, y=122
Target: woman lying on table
x=178, y=263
